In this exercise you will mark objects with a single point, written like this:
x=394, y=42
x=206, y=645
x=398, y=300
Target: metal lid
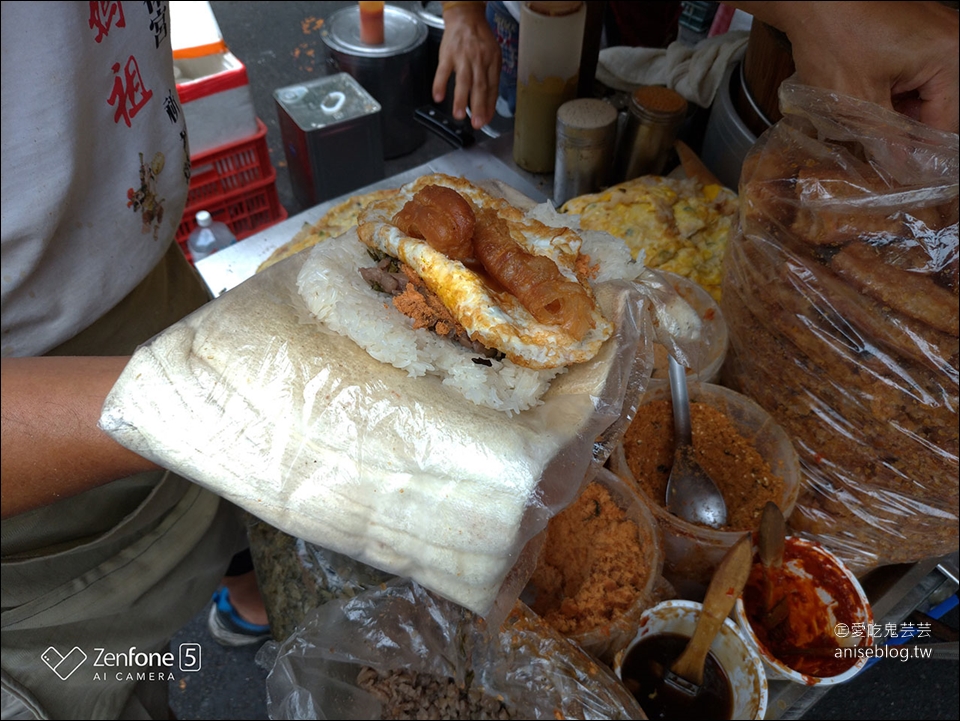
x=402, y=31
x=586, y=123
x=657, y=102
x=326, y=101
x=432, y=14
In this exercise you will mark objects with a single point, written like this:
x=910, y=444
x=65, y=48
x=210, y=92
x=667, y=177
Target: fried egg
x=495, y=318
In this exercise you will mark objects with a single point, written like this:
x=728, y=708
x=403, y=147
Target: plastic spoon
x=686, y=673
x=691, y=493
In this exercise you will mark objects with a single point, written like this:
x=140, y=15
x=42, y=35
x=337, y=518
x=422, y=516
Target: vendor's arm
x=470, y=50
x=51, y=445
x=901, y=55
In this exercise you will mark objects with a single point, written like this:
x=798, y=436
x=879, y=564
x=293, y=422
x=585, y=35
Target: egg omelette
x=679, y=225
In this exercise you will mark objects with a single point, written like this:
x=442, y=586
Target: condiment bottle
x=548, y=64
x=654, y=117
x=586, y=139
x=371, y=22
x=208, y=237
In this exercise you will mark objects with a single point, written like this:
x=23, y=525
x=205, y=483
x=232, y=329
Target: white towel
x=694, y=72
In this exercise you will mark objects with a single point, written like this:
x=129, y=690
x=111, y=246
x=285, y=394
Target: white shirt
x=95, y=162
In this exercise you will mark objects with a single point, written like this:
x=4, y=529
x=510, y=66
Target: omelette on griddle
x=679, y=225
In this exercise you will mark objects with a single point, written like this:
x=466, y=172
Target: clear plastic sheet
x=526, y=669
x=840, y=294
x=252, y=398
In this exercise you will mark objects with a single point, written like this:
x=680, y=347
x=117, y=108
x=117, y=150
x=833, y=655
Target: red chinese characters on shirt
x=104, y=15
x=128, y=95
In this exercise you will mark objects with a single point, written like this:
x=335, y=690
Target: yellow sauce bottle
x=548, y=63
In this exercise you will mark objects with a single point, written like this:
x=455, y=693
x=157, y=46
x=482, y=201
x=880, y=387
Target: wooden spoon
x=772, y=538
x=686, y=673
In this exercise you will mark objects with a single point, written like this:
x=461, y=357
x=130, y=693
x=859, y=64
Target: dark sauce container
x=738, y=673
x=643, y=673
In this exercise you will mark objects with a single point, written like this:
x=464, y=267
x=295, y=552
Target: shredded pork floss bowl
x=692, y=552
x=598, y=567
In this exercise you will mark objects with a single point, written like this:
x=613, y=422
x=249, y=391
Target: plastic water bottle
x=208, y=237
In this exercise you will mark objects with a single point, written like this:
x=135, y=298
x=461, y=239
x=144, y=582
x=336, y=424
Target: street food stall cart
x=895, y=591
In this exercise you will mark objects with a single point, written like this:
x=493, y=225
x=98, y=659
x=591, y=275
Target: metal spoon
x=691, y=493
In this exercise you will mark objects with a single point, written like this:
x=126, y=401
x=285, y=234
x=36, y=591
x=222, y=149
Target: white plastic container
x=217, y=101
x=840, y=608
x=208, y=237
x=712, y=346
x=739, y=661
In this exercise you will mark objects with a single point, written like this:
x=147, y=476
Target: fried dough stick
x=442, y=217
x=535, y=280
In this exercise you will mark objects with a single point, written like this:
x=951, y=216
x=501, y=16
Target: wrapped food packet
x=840, y=293
x=253, y=398
x=400, y=652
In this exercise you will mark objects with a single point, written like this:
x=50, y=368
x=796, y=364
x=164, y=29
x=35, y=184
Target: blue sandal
x=228, y=628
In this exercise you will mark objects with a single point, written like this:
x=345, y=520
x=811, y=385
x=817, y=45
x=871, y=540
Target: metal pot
x=394, y=73
x=431, y=13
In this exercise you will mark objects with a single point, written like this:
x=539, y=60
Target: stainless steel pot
x=394, y=73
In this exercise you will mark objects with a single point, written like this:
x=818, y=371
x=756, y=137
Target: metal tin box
x=332, y=137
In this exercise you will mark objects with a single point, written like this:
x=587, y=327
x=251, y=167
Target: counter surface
x=488, y=161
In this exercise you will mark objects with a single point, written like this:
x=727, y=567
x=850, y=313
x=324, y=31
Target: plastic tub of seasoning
x=734, y=683
x=598, y=567
x=744, y=450
x=813, y=628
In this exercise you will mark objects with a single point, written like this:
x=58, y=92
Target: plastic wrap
x=444, y=658
x=840, y=294
x=254, y=399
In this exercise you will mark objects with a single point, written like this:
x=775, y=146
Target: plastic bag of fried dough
x=840, y=293
x=254, y=398
x=400, y=652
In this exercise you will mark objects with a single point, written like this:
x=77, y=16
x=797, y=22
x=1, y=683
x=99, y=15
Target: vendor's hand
x=900, y=55
x=470, y=50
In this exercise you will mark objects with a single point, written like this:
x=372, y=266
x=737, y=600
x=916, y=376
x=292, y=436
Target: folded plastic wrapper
x=840, y=293
x=432, y=659
x=252, y=398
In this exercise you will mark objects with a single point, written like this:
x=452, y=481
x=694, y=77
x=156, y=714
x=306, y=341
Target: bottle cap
x=204, y=219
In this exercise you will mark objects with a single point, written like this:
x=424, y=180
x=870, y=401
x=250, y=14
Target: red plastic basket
x=230, y=167
x=236, y=184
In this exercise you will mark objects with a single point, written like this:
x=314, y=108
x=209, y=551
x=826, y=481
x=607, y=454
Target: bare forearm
x=51, y=445
x=900, y=55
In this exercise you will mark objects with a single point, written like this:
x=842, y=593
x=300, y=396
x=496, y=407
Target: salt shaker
x=586, y=139
x=654, y=117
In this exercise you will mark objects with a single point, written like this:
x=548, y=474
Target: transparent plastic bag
x=840, y=296
x=433, y=659
x=251, y=397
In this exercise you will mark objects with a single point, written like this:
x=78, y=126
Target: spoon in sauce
x=686, y=673
x=691, y=493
